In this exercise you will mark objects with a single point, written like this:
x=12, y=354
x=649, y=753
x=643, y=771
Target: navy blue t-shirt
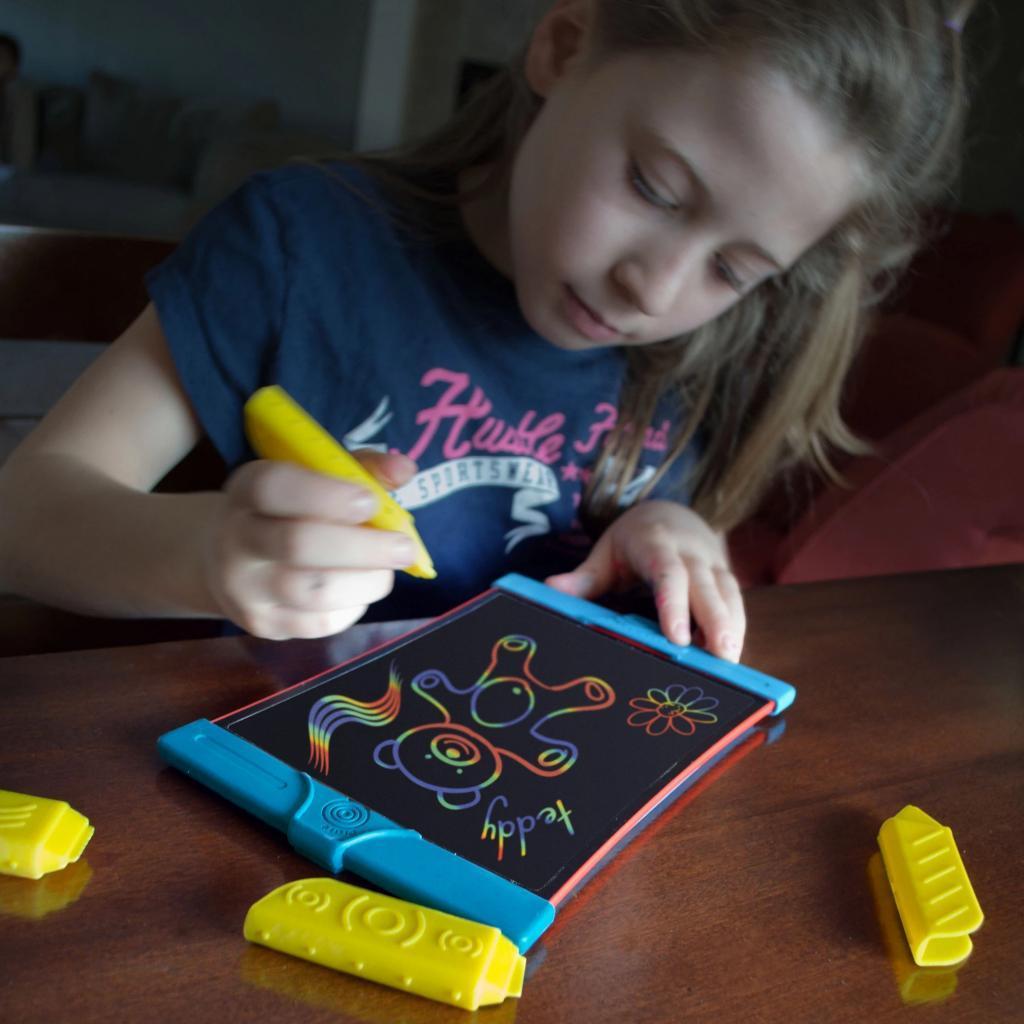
x=299, y=280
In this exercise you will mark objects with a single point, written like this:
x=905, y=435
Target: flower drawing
x=680, y=708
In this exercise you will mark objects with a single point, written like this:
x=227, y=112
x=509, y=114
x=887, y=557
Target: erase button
x=344, y=817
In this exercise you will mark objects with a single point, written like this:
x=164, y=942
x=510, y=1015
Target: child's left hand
x=685, y=562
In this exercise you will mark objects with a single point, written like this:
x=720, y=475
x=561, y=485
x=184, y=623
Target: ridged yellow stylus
x=39, y=835
x=279, y=428
x=929, y=882
x=388, y=940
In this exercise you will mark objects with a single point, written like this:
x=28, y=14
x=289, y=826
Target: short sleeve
x=221, y=299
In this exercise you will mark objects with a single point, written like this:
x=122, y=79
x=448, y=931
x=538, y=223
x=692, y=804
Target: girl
x=621, y=289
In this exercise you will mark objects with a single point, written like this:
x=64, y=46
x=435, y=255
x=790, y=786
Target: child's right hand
x=288, y=555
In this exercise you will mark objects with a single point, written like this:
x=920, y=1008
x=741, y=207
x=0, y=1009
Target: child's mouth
x=585, y=320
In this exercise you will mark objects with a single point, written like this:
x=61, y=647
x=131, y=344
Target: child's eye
x=725, y=271
x=648, y=192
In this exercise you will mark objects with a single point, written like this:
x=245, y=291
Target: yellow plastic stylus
x=39, y=835
x=388, y=940
x=279, y=428
x=933, y=894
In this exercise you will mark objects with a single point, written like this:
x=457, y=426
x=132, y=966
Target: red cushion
x=947, y=490
x=905, y=366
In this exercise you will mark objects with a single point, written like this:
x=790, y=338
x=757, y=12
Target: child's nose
x=654, y=277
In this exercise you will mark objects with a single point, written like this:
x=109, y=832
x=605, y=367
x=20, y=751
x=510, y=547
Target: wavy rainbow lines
x=332, y=712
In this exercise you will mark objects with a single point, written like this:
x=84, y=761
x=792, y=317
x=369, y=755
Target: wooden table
x=748, y=901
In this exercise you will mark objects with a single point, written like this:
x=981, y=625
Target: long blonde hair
x=761, y=383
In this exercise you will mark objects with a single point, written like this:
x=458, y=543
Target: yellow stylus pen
x=388, y=940
x=39, y=835
x=279, y=428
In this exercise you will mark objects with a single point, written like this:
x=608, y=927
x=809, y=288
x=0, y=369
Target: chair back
x=58, y=285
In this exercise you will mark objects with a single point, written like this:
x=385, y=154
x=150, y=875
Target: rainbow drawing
x=678, y=709
x=330, y=713
x=457, y=761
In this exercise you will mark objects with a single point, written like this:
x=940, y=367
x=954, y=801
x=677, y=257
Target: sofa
x=938, y=392
x=116, y=157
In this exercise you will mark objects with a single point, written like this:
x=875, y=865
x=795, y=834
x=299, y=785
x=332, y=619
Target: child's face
x=654, y=190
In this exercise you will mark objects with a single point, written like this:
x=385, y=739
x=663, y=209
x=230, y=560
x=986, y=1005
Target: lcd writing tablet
x=524, y=733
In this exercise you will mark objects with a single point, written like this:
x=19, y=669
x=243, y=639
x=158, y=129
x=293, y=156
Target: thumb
x=592, y=577
x=390, y=469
